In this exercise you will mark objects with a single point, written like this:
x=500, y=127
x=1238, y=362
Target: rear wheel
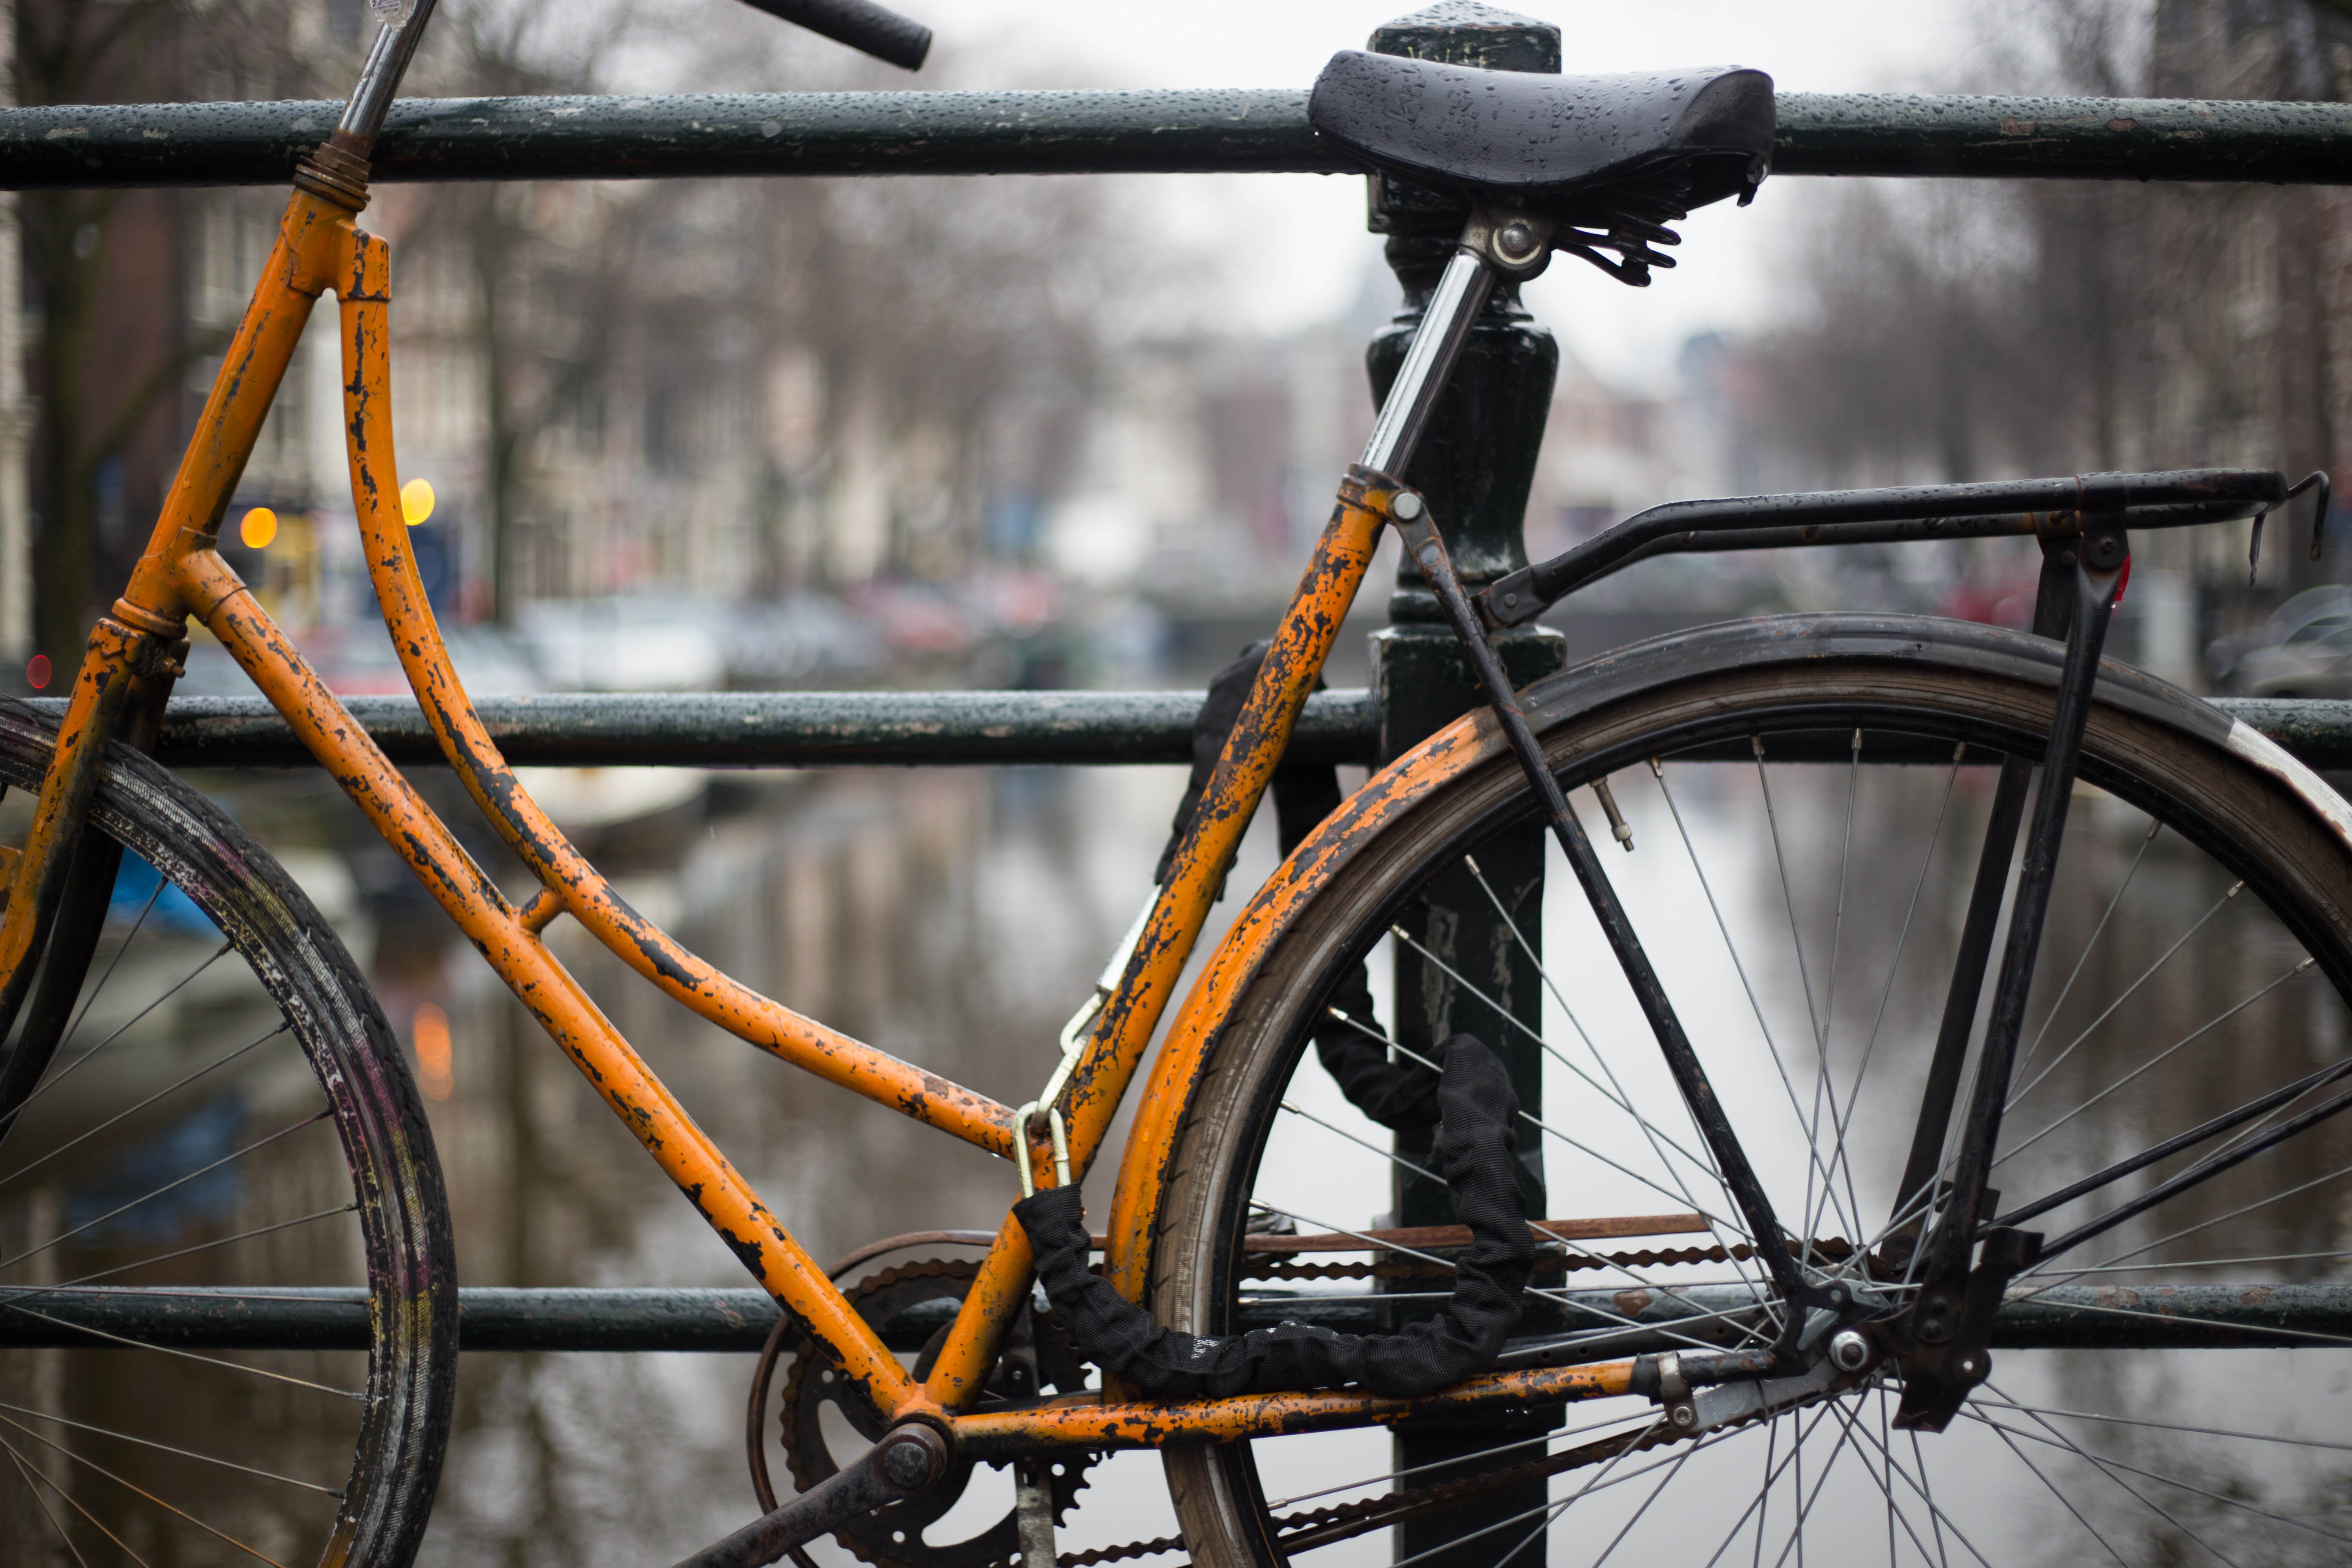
x=229, y=1114
x=1805, y=844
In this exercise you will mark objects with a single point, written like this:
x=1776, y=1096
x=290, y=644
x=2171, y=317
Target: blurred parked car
x=2303, y=650
x=626, y=643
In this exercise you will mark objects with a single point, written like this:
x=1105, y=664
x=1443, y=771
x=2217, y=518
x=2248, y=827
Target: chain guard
x=1036, y=1354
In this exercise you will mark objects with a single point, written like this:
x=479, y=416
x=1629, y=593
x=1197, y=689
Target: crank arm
x=1409, y=513
x=907, y=1461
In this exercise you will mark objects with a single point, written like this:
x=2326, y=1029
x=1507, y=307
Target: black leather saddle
x=1591, y=151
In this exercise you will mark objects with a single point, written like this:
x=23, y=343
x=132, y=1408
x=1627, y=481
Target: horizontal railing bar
x=929, y=729
x=1259, y=130
x=769, y=729
x=739, y=1319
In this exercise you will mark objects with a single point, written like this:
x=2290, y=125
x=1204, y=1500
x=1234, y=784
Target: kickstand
x=1033, y=1511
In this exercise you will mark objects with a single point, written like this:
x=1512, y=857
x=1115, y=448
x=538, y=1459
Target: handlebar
x=862, y=25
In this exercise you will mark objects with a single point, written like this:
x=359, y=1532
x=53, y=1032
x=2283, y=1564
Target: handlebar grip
x=862, y=25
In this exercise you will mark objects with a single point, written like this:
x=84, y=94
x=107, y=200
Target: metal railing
x=1242, y=132
x=1049, y=134
x=900, y=728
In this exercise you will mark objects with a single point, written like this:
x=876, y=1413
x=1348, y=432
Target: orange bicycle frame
x=320, y=249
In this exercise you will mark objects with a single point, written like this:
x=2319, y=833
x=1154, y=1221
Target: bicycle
x=1888, y=1326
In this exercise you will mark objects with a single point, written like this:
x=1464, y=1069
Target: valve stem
x=1619, y=827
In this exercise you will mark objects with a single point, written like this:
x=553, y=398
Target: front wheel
x=228, y=1119
x=1806, y=798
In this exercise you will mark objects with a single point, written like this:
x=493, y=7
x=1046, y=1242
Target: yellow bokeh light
x=416, y=500
x=257, y=528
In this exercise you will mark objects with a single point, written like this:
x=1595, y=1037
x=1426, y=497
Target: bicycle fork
x=1940, y=1341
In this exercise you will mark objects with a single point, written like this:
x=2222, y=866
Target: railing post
x=1476, y=465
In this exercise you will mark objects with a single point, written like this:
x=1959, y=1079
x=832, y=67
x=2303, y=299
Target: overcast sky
x=1310, y=228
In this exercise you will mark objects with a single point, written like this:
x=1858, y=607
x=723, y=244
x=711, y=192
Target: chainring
x=1036, y=1354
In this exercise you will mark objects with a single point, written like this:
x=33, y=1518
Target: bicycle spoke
x=185, y=1453
x=1615, y=1094
x=97, y=990
x=1919, y=1486
x=29, y=1472
x=1934, y=1516
x=1805, y=1504
x=1884, y=1483
x=75, y=1504
x=66, y=1072
x=90, y=1464
x=2220, y=903
x=2185, y=1230
x=2155, y=826
x=2109, y=1469
x=358, y=1395
x=1822, y=1083
x=1761, y=1505
x=18, y=1292
x=1771, y=1046
x=312, y=1120
x=1804, y=981
x=1531, y=1119
x=2060, y=1494
x=2175, y=1427
x=1655, y=1493
x=1471, y=987
x=1887, y=1485
x=2059, y=1439
x=159, y=1094
x=2159, y=1057
x=1902, y=943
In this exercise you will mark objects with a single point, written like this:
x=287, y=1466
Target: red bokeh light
x=36, y=672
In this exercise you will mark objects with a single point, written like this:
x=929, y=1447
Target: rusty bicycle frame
x=134, y=656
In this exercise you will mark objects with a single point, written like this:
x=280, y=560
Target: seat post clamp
x=1517, y=245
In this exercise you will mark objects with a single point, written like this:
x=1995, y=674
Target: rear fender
x=1640, y=671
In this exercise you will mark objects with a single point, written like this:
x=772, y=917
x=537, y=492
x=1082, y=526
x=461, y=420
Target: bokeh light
x=430, y=1032
x=416, y=500
x=257, y=528
x=36, y=672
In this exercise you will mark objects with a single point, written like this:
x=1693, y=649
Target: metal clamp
x=1021, y=1119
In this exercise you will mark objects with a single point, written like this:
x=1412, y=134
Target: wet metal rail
x=1188, y=132
x=738, y=1320
x=903, y=729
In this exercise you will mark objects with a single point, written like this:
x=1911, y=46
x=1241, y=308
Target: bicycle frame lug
x=1939, y=1372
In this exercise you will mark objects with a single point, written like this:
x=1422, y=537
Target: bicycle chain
x=1297, y=1531
x=1828, y=1250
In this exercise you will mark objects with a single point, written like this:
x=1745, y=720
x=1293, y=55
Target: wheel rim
x=2264, y=1494
x=187, y=1139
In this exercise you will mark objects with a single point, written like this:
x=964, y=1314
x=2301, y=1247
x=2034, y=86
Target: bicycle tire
x=2234, y=801
x=226, y=1444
